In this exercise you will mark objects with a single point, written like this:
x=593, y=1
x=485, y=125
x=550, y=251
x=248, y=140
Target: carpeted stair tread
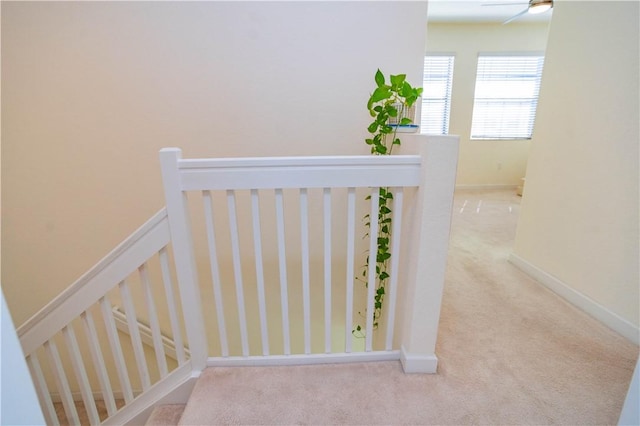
x=166, y=415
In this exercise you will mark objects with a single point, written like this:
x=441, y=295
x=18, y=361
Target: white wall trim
x=487, y=186
x=303, y=359
x=591, y=307
x=146, y=335
x=418, y=363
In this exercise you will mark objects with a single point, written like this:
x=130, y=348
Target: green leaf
x=406, y=91
x=380, y=94
x=379, y=78
x=410, y=100
x=381, y=149
x=396, y=141
x=373, y=127
x=392, y=111
x=369, y=141
x=405, y=121
x=382, y=257
x=382, y=118
x=398, y=80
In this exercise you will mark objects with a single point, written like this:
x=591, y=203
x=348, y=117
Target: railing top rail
x=79, y=296
x=304, y=161
x=295, y=172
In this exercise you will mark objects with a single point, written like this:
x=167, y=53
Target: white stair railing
x=83, y=314
x=278, y=242
x=279, y=304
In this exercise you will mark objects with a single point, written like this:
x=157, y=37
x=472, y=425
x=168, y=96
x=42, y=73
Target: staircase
x=255, y=267
x=166, y=415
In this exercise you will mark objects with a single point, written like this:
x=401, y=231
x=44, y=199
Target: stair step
x=166, y=415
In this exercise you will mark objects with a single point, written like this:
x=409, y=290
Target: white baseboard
x=418, y=363
x=485, y=187
x=591, y=307
x=303, y=359
x=146, y=336
x=97, y=395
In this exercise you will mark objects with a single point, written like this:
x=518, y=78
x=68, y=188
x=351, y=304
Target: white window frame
x=437, y=85
x=506, y=95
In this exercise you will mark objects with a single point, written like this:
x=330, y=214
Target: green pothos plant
x=388, y=105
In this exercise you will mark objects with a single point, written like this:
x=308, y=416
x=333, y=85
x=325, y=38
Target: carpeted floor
x=510, y=351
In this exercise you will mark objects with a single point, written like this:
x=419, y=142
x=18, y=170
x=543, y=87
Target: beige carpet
x=511, y=352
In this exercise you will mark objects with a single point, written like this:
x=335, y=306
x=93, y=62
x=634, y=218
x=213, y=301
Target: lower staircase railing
x=78, y=328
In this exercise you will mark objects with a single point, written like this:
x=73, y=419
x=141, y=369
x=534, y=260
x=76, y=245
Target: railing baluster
x=393, y=279
x=371, y=272
x=81, y=374
x=171, y=305
x=42, y=390
x=257, y=246
x=134, y=332
x=98, y=361
x=116, y=349
x=154, y=325
x=306, y=298
x=351, y=212
x=237, y=270
x=326, y=192
x=282, y=263
x=61, y=382
x=215, y=273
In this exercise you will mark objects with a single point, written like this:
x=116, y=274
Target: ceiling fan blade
x=515, y=16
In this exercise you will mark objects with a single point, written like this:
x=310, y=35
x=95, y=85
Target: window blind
x=506, y=97
x=436, y=95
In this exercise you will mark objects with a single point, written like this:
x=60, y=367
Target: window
x=436, y=97
x=506, y=96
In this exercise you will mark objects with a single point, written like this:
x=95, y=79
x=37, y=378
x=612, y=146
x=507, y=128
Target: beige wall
x=92, y=91
x=495, y=162
x=579, y=219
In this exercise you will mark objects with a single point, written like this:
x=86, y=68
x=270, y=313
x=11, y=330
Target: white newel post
x=180, y=228
x=426, y=256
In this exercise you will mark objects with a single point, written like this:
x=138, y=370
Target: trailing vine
x=388, y=105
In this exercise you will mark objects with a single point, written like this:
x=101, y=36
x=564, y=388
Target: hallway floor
x=510, y=351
